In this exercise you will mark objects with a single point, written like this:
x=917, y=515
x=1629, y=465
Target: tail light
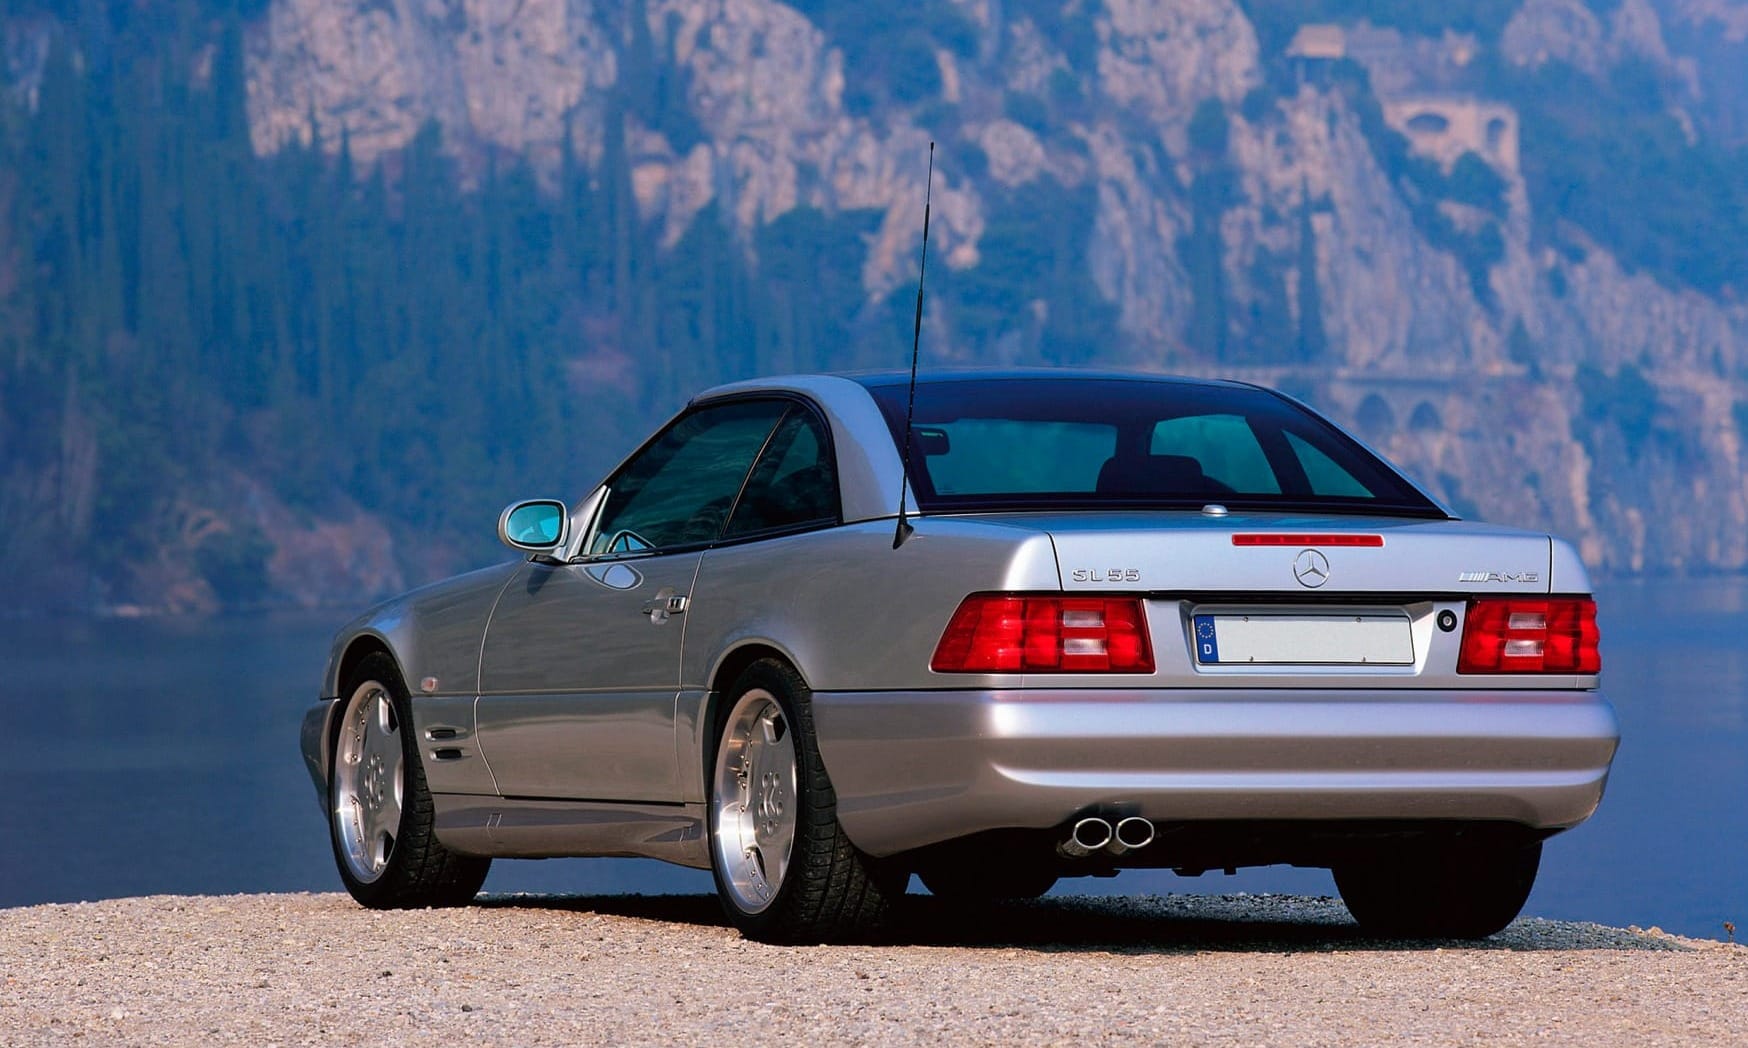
x=1554, y=635
x=1005, y=633
x=1302, y=539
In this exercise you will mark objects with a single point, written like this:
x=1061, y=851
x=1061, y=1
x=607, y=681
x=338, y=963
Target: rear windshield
x=1027, y=443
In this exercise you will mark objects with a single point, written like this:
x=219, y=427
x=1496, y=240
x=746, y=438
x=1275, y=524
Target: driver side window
x=679, y=489
x=794, y=485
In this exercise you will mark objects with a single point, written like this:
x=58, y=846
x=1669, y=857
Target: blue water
x=161, y=756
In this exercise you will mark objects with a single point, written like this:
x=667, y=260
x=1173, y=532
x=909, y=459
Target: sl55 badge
x=1106, y=574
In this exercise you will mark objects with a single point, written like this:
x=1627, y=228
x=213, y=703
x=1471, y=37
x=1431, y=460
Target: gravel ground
x=524, y=970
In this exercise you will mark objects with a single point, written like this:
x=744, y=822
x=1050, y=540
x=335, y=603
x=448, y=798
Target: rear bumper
x=917, y=768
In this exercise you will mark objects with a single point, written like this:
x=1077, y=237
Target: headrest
x=1152, y=475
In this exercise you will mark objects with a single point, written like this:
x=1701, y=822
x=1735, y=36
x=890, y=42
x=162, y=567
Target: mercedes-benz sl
x=819, y=634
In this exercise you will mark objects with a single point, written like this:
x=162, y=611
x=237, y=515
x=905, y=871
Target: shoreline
x=530, y=969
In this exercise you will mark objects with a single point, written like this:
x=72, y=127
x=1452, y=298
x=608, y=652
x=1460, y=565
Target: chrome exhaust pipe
x=1089, y=835
x=1131, y=834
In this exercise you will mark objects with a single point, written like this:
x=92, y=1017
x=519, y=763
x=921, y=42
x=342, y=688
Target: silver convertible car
x=1120, y=621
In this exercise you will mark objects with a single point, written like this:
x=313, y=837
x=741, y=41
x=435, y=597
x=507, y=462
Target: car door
x=580, y=672
x=792, y=491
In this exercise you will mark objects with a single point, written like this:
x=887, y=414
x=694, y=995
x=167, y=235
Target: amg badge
x=1499, y=576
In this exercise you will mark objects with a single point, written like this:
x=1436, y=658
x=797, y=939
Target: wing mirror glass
x=536, y=526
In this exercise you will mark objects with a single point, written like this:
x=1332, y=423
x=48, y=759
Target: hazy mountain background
x=296, y=294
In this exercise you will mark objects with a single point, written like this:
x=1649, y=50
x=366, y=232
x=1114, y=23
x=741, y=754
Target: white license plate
x=1368, y=639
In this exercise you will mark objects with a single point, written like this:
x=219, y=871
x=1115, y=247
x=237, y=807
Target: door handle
x=660, y=607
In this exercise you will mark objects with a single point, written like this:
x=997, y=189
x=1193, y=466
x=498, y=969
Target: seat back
x=1152, y=475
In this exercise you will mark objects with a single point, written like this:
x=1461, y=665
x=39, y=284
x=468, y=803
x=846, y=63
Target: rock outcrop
x=1492, y=349
x=1505, y=356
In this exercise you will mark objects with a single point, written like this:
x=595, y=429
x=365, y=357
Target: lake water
x=161, y=757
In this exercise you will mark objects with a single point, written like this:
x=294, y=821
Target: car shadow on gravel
x=1129, y=924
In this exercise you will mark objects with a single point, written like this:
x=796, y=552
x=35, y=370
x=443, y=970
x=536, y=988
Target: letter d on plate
x=1207, y=647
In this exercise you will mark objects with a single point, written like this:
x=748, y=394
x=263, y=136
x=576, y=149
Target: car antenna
x=904, y=528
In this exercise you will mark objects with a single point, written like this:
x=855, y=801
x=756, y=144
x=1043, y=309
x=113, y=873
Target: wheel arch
x=356, y=651
x=729, y=666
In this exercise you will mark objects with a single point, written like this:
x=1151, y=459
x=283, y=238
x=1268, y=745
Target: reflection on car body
x=1140, y=622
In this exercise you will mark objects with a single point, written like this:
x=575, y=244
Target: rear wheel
x=784, y=869
x=1448, y=892
x=380, y=812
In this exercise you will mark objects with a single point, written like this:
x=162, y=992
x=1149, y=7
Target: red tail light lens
x=1003, y=633
x=1302, y=539
x=1505, y=635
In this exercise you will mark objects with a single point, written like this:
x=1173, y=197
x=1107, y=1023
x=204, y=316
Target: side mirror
x=536, y=526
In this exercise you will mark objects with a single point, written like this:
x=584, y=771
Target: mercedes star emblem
x=1311, y=568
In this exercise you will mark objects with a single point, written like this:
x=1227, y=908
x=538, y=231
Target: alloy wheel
x=755, y=801
x=369, y=781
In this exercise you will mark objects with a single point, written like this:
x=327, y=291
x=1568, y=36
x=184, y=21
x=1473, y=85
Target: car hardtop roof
x=880, y=379
x=935, y=376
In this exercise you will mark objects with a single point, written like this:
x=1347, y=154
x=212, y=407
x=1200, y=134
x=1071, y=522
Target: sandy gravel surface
x=296, y=969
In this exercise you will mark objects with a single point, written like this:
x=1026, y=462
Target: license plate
x=1368, y=639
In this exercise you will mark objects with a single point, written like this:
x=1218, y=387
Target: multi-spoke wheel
x=369, y=781
x=755, y=801
x=380, y=810
x=784, y=869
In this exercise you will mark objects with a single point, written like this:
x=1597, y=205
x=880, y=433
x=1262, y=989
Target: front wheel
x=784, y=869
x=1451, y=892
x=380, y=811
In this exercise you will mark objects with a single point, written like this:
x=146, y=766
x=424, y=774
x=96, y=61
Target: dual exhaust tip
x=1094, y=834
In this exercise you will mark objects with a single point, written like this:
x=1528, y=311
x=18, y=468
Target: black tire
x=1465, y=891
x=406, y=866
x=975, y=883
x=826, y=890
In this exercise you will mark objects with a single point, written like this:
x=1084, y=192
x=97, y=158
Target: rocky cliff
x=1383, y=217
x=1466, y=361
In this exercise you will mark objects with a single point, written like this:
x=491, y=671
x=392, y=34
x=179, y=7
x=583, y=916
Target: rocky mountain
x=1506, y=242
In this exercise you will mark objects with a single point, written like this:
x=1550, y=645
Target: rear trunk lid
x=1302, y=555
x=1259, y=602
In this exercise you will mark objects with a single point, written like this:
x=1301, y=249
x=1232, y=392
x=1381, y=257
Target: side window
x=795, y=482
x=1225, y=447
x=1325, y=476
x=678, y=490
